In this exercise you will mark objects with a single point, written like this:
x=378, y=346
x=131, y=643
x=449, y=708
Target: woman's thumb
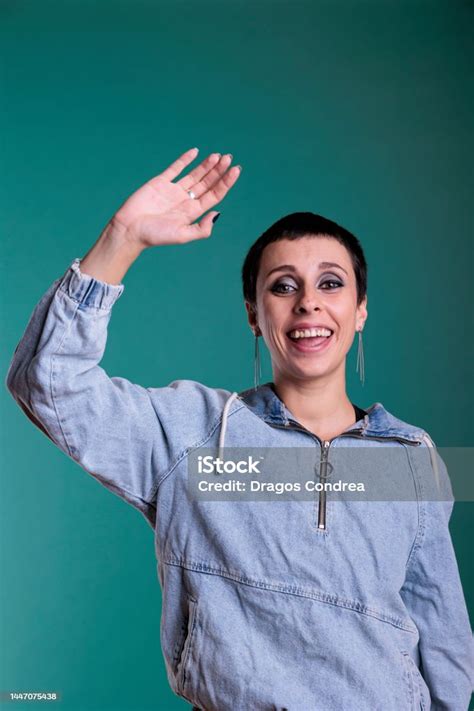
x=207, y=223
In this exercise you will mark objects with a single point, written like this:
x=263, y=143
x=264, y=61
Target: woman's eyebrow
x=291, y=268
x=325, y=265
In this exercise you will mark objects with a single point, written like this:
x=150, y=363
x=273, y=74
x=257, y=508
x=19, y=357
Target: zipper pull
x=322, y=478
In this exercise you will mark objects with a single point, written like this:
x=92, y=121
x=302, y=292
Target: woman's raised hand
x=162, y=212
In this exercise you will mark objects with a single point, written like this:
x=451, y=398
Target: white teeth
x=310, y=333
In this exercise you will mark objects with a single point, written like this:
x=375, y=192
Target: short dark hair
x=295, y=226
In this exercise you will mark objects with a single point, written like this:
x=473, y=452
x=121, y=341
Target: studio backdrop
x=358, y=111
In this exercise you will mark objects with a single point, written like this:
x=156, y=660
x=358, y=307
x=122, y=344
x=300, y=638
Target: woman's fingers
x=177, y=167
x=208, y=180
x=199, y=172
x=200, y=229
x=220, y=189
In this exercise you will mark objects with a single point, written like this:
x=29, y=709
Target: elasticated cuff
x=87, y=290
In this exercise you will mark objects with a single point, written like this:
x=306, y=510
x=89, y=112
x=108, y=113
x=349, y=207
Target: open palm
x=162, y=212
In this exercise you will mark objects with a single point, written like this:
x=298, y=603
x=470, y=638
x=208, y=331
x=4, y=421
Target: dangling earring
x=360, y=366
x=257, y=372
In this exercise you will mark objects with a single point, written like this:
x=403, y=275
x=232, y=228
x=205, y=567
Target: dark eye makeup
x=327, y=283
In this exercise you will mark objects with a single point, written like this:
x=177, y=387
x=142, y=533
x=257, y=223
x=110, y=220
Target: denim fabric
x=262, y=610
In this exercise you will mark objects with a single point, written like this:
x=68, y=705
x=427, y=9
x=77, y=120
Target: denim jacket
x=263, y=608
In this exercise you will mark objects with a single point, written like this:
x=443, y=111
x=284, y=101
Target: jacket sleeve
x=433, y=594
x=126, y=436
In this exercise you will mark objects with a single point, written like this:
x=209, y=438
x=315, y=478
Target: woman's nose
x=309, y=301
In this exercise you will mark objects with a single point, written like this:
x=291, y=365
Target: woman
x=292, y=604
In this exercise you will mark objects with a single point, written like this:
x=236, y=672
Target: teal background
x=360, y=111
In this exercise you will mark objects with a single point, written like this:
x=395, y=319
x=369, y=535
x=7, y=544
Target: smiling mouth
x=310, y=339
x=308, y=333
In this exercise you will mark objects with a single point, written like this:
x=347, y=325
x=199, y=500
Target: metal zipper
x=323, y=462
x=323, y=467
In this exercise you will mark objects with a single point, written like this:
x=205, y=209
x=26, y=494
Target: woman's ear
x=362, y=314
x=252, y=318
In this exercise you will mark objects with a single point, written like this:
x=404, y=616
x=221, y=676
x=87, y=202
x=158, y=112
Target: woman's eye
x=282, y=288
x=331, y=284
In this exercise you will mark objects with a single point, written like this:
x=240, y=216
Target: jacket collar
x=265, y=403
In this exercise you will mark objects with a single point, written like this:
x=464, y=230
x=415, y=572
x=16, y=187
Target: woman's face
x=304, y=283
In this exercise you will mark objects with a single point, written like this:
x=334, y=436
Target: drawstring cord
x=224, y=423
x=429, y=442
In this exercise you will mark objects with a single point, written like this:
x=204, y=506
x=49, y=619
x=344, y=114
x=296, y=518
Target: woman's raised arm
x=125, y=435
